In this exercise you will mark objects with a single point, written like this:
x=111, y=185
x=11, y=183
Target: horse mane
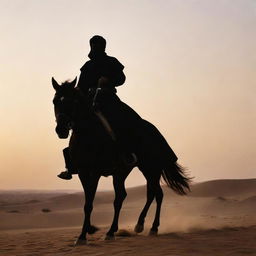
x=66, y=82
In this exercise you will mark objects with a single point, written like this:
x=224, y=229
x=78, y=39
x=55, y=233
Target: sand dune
x=215, y=188
x=46, y=223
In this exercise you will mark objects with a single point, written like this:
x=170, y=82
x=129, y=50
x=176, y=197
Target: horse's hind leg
x=150, y=197
x=159, y=198
x=120, y=195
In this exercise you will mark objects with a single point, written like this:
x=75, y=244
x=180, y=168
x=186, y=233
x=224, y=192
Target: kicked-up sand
x=216, y=218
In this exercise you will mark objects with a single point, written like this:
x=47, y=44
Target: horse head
x=64, y=106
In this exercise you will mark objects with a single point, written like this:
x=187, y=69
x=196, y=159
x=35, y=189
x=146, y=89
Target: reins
x=101, y=117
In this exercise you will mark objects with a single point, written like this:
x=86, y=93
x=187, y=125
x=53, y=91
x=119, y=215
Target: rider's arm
x=115, y=79
x=119, y=78
x=103, y=81
x=113, y=71
x=84, y=82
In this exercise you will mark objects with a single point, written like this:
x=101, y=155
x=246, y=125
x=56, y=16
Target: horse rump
x=157, y=152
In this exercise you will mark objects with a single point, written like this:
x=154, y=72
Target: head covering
x=98, y=46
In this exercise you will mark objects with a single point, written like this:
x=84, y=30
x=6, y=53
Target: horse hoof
x=139, y=228
x=152, y=233
x=109, y=238
x=92, y=230
x=79, y=242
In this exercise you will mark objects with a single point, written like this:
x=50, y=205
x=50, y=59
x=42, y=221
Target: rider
x=106, y=72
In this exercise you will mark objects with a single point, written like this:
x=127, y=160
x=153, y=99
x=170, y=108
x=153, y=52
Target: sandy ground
x=217, y=218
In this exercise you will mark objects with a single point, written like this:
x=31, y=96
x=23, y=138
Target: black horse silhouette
x=94, y=154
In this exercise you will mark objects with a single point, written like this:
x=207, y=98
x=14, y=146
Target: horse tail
x=175, y=178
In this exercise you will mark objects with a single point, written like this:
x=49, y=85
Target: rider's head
x=98, y=44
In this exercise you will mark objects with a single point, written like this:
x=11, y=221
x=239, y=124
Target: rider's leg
x=67, y=175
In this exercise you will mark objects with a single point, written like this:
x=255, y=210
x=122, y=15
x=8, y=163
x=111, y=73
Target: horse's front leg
x=90, y=183
x=120, y=195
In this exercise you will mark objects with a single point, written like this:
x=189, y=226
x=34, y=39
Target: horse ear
x=55, y=85
x=73, y=83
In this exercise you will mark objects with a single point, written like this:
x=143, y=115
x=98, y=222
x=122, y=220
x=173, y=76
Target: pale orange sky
x=190, y=68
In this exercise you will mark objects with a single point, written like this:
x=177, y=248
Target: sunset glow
x=190, y=68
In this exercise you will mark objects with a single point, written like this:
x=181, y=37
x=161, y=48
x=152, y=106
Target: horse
x=93, y=153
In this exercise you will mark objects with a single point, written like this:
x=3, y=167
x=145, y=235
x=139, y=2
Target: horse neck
x=84, y=119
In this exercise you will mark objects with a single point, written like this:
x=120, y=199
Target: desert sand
x=216, y=218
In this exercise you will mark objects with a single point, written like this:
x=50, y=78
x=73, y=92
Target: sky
x=190, y=68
